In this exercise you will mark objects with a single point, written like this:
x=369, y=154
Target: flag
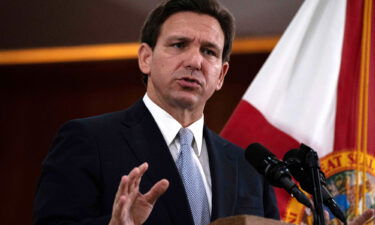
x=317, y=87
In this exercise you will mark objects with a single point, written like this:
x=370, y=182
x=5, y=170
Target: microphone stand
x=312, y=162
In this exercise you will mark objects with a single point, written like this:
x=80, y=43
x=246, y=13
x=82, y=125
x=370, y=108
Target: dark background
x=42, y=23
x=36, y=99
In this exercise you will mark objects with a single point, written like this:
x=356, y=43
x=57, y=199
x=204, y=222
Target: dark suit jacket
x=82, y=172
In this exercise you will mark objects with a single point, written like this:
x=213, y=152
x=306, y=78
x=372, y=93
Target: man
x=184, y=55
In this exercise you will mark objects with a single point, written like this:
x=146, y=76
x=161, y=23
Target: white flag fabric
x=296, y=88
x=316, y=88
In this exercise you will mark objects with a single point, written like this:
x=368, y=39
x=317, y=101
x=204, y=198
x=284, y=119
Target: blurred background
x=66, y=59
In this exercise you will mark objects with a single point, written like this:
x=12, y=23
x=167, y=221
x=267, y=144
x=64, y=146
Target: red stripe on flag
x=348, y=86
x=247, y=125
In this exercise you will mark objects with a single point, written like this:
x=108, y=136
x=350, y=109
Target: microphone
x=274, y=170
x=295, y=160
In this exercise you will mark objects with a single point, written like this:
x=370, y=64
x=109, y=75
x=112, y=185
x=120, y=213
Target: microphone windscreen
x=293, y=154
x=295, y=161
x=275, y=171
x=255, y=155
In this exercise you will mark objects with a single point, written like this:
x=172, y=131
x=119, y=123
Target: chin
x=186, y=101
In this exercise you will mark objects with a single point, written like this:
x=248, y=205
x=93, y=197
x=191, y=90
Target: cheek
x=211, y=84
x=159, y=71
x=165, y=66
x=213, y=76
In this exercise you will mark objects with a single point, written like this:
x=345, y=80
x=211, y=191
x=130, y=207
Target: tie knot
x=186, y=136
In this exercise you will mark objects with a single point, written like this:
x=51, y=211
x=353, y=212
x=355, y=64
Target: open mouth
x=190, y=80
x=189, y=83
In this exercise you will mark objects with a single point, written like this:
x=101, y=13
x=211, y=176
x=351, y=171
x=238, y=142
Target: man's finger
x=128, y=190
x=118, y=209
x=133, y=176
x=158, y=189
x=126, y=183
x=121, y=186
x=142, y=169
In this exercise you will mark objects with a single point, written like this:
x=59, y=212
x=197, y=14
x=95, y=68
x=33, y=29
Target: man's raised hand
x=130, y=206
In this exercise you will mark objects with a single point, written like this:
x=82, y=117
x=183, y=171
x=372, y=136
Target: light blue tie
x=192, y=179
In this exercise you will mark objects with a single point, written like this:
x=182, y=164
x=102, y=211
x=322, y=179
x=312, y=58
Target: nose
x=193, y=59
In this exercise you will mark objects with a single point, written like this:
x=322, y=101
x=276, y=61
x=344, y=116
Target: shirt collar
x=170, y=127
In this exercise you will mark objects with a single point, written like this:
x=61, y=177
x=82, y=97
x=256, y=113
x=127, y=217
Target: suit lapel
x=224, y=176
x=147, y=143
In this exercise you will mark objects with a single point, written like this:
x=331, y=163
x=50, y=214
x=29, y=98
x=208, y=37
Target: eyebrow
x=206, y=44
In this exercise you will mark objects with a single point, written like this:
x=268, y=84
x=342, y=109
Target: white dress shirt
x=170, y=127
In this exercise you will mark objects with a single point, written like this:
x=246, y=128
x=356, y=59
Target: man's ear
x=224, y=70
x=145, y=58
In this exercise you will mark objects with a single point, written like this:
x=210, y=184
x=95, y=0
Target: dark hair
x=151, y=28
